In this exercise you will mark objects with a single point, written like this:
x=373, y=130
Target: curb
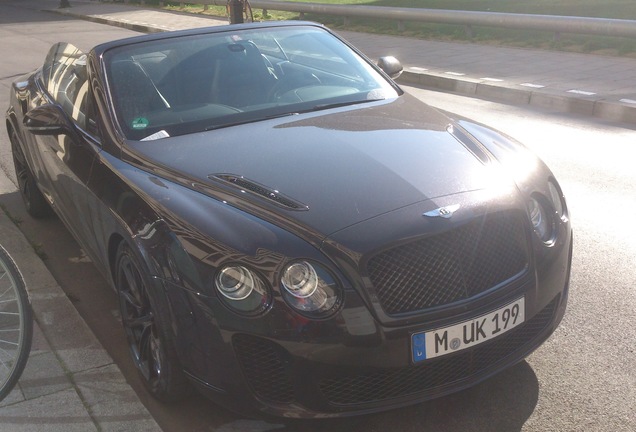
x=142, y=28
x=586, y=106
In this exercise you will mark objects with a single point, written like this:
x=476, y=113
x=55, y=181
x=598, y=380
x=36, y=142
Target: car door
x=66, y=160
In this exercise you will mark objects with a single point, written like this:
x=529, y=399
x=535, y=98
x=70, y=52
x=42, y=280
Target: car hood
x=343, y=165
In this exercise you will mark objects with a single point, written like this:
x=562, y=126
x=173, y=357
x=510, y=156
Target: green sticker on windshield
x=140, y=123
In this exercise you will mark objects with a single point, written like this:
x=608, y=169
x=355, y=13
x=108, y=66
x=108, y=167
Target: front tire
x=34, y=201
x=145, y=318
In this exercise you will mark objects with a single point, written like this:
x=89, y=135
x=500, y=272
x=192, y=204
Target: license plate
x=436, y=343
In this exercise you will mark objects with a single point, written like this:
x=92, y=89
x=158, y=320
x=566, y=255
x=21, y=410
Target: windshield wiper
x=247, y=121
x=314, y=108
x=321, y=107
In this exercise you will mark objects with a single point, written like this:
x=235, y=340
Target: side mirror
x=391, y=66
x=48, y=119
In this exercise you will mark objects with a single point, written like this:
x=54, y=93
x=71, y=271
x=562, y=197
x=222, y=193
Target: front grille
x=265, y=365
x=450, y=266
x=378, y=385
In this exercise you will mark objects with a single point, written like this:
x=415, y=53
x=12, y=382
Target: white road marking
x=582, y=92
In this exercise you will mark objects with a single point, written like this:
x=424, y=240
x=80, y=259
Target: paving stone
x=57, y=412
x=112, y=402
x=43, y=375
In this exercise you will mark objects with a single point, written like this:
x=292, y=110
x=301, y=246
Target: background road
x=583, y=378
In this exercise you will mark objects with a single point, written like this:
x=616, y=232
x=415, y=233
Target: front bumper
x=358, y=361
x=301, y=380
x=285, y=385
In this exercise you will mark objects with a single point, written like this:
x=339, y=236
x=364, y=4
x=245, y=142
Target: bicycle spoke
x=7, y=366
x=7, y=356
x=8, y=290
x=8, y=343
x=10, y=313
x=4, y=365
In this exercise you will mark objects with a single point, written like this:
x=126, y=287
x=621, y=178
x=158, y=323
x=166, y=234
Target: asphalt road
x=582, y=379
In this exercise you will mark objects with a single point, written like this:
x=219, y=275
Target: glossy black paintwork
x=347, y=165
x=367, y=173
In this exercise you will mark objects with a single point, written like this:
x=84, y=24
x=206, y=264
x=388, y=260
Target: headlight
x=557, y=199
x=241, y=289
x=235, y=283
x=300, y=279
x=541, y=222
x=310, y=289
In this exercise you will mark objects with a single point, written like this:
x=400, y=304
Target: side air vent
x=247, y=185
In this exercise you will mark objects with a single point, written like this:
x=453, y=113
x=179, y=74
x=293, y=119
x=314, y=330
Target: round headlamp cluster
x=310, y=289
x=235, y=283
x=557, y=199
x=540, y=222
x=242, y=290
x=300, y=279
x=545, y=212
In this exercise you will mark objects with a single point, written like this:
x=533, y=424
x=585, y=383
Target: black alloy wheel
x=144, y=317
x=34, y=201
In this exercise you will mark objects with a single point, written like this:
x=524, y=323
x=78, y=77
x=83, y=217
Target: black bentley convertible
x=286, y=229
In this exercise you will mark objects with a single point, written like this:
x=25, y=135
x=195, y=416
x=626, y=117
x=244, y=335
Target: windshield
x=188, y=84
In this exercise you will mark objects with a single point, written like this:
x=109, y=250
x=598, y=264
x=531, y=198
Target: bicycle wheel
x=16, y=324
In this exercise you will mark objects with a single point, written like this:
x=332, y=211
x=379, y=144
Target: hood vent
x=469, y=142
x=247, y=185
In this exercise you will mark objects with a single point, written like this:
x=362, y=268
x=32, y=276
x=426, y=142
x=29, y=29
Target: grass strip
x=617, y=9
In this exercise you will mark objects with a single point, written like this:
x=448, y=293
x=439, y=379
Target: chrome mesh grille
x=381, y=384
x=450, y=266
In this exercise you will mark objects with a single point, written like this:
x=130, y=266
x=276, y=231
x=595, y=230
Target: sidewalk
x=72, y=384
x=69, y=383
x=585, y=84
